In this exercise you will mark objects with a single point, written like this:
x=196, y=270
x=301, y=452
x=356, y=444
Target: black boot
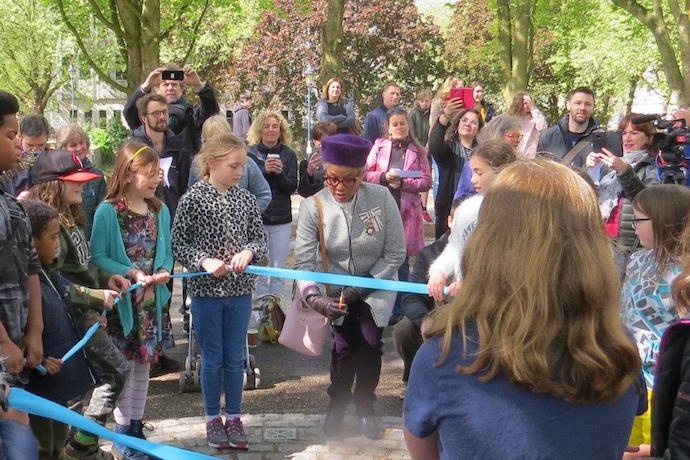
x=334, y=420
x=369, y=427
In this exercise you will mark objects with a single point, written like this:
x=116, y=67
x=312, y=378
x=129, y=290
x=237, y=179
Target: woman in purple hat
x=364, y=236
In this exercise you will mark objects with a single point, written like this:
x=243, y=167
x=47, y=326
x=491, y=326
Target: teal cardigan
x=108, y=253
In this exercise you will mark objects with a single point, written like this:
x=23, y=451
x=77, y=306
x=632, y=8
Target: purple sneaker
x=237, y=438
x=215, y=434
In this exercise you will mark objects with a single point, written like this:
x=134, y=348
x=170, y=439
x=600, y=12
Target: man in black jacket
x=574, y=127
x=407, y=333
x=185, y=120
x=175, y=160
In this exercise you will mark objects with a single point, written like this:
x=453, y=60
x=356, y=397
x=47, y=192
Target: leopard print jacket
x=209, y=223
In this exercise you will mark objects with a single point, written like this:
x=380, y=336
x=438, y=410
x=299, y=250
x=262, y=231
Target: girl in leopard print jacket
x=218, y=229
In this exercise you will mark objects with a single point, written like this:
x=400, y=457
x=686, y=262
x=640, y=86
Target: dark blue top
x=497, y=420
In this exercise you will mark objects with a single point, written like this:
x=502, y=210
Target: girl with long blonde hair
x=531, y=359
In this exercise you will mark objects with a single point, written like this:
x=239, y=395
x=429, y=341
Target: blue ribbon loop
x=24, y=401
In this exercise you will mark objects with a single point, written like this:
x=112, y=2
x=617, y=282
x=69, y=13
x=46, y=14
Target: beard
x=159, y=127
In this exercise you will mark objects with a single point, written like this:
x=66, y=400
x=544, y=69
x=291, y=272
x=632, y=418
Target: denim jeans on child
x=17, y=442
x=221, y=324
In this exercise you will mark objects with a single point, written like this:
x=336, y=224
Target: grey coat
x=373, y=246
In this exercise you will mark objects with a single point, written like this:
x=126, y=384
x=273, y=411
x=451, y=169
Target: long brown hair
x=551, y=325
x=668, y=207
x=132, y=158
x=452, y=130
x=681, y=284
x=51, y=192
x=516, y=107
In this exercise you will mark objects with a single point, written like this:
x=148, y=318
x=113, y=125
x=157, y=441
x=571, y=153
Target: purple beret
x=345, y=150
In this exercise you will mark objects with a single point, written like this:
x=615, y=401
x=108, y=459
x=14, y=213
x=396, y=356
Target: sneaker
x=426, y=216
x=215, y=434
x=74, y=450
x=237, y=438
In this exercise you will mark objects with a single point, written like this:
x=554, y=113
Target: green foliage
x=35, y=54
x=109, y=140
x=383, y=41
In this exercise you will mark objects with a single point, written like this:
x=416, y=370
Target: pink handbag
x=304, y=330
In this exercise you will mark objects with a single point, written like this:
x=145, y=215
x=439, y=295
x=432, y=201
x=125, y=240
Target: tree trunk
x=631, y=93
x=141, y=32
x=333, y=41
x=515, y=45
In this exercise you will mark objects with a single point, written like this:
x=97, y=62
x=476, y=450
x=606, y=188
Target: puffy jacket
x=178, y=174
x=60, y=333
x=91, y=195
x=671, y=397
x=283, y=185
x=553, y=140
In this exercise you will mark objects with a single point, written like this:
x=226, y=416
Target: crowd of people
x=558, y=281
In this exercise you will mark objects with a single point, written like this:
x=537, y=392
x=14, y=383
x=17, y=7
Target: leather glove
x=352, y=295
x=324, y=305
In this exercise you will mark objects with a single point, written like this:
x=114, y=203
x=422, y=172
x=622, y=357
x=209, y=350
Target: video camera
x=672, y=144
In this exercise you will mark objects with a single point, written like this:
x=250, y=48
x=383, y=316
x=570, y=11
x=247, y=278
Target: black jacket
x=671, y=397
x=416, y=306
x=60, y=333
x=283, y=185
x=309, y=185
x=554, y=141
x=178, y=174
x=450, y=163
x=188, y=119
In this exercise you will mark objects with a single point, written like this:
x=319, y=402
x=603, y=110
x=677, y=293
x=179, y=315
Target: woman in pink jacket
x=400, y=163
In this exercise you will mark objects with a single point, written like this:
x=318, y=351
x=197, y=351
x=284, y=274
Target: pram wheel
x=252, y=375
x=190, y=378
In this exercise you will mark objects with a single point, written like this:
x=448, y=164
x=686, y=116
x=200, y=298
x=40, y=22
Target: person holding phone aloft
x=621, y=179
x=185, y=120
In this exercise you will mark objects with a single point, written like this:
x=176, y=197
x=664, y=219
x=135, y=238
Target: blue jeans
x=17, y=442
x=221, y=330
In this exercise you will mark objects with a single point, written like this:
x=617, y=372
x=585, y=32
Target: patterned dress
x=139, y=234
x=648, y=307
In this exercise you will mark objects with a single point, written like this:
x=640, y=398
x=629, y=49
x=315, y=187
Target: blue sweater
x=108, y=253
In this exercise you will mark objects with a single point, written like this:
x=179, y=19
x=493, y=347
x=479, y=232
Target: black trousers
x=356, y=359
x=407, y=338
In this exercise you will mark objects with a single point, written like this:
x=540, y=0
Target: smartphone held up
x=176, y=75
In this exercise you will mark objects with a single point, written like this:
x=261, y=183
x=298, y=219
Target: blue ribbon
x=317, y=277
x=24, y=401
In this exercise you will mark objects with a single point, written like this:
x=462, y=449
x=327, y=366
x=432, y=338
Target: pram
x=190, y=377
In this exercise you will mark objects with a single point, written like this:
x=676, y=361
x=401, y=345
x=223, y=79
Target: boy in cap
x=58, y=179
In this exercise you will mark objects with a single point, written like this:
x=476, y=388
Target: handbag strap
x=575, y=151
x=322, y=242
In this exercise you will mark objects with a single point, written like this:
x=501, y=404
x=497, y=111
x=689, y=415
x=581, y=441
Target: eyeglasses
x=513, y=137
x=333, y=181
x=636, y=222
x=467, y=121
x=159, y=113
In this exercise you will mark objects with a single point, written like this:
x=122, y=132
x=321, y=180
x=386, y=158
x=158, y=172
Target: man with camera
x=185, y=121
x=572, y=134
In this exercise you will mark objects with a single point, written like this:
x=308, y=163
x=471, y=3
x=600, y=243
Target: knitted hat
x=60, y=165
x=345, y=150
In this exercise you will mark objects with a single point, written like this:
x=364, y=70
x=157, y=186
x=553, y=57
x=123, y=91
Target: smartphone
x=466, y=94
x=177, y=75
x=273, y=155
x=610, y=140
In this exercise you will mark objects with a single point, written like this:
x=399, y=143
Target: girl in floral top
x=218, y=229
x=131, y=231
x=660, y=215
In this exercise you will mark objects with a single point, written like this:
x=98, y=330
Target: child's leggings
x=132, y=403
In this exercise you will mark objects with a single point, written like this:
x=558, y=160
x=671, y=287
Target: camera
x=177, y=75
x=671, y=142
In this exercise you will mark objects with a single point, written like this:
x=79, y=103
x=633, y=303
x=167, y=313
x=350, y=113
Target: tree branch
x=99, y=71
x=195, y=32
x=101, y=17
